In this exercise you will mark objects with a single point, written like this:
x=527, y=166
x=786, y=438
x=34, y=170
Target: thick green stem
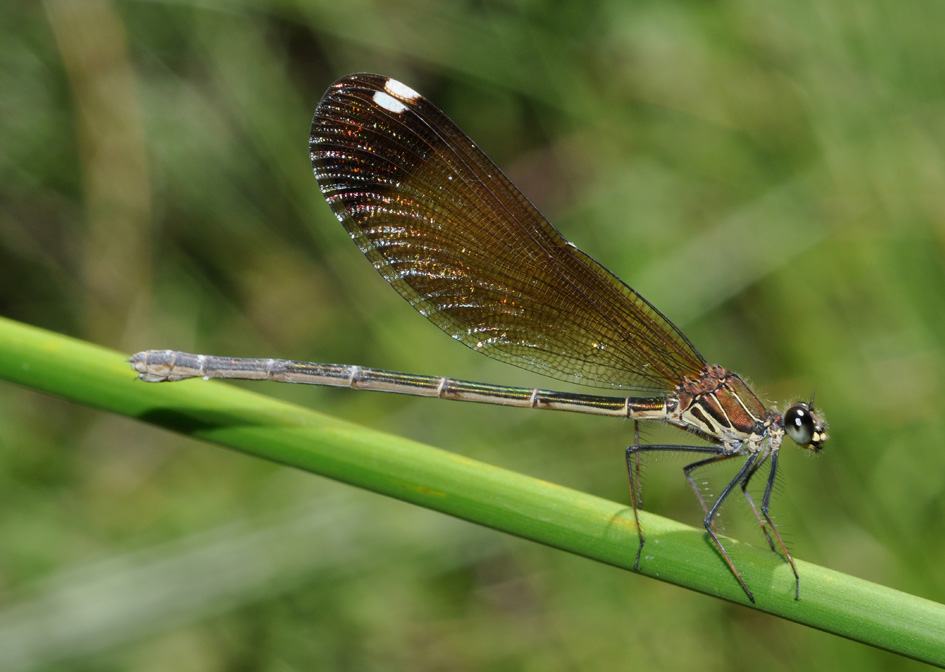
x=436, y=479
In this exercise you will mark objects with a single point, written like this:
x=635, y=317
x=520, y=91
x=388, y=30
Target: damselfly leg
x=751, y=466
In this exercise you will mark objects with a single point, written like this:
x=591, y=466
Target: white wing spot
x=402, y=91
x=389, y=103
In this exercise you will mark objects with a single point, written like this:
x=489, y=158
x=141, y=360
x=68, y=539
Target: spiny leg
x=765, y=503
x=708, y=522
x=764, y=520
x=739, y=477
x=636, y=489
x=689, y=469
x=633, y=470
x=751, y=502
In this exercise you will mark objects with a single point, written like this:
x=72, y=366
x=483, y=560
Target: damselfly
x=445, y=227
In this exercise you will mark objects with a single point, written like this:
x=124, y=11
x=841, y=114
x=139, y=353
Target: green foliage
x=769, y=175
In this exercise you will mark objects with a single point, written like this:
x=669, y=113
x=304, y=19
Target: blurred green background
x=770, y=175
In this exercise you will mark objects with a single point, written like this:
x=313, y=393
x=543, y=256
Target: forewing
x=448, y=230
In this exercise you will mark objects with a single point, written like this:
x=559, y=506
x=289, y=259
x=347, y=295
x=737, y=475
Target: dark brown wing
x=464, y=246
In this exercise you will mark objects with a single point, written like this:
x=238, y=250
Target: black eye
x=799, y=424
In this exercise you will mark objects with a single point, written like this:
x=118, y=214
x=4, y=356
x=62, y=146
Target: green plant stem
x=436, y=479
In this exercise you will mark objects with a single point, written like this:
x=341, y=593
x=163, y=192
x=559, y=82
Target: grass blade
x=559, y=517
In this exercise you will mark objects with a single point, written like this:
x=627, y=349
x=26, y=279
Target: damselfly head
x=803, y=425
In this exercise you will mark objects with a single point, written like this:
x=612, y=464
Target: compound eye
x=799, y=424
